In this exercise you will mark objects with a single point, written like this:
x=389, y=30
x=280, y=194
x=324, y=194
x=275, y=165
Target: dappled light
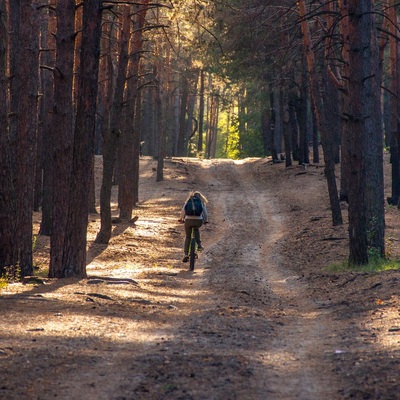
x=199, y=200
x=259, y=308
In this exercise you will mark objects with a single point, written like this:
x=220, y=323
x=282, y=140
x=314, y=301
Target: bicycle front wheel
x=192, y=257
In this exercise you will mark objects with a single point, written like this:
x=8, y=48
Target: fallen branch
x=112, y=280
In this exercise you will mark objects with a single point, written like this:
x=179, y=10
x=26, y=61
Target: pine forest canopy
x=200, y=78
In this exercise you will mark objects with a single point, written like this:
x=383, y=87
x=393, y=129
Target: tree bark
x=160, y=106
x=201, y=114
x=61, y=140
x=272, y=124
x=130, y=149
x=74, y=260
x=7, y=254
x=285, y=126
x=182, y=143
x=27, y=73
x=315, y=137
x=114, y=134
x=47, y=83
x=371, y=81
x=394, y=104
x=366, y=214
x=321, y=118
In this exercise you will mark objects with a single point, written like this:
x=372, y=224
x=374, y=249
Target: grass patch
x=375, y=265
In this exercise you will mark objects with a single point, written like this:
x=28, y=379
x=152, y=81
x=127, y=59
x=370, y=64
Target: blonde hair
x=199, y=195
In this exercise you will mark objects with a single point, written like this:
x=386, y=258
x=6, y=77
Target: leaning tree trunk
x=74, y=260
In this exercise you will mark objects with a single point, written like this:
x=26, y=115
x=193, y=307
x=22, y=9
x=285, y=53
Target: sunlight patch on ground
x=120, y=330
x=279, y=359
x=385, y=324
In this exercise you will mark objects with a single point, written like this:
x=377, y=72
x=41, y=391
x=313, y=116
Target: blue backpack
x=194, y=206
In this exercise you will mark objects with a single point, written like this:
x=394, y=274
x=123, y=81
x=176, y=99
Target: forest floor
x=261, y=317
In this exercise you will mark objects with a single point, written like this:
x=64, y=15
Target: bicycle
x=193, y=247
x=192, y=251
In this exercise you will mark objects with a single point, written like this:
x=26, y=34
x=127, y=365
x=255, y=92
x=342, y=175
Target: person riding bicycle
x=193, y=214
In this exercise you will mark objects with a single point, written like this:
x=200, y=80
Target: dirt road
x=258, y=318
x=277, y=336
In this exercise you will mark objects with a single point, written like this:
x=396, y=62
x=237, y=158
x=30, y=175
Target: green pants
x=189, y=224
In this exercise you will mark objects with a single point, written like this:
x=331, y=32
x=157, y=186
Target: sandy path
x=240, y=327
x=281, y=336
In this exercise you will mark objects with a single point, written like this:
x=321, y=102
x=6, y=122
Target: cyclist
x=193, y=214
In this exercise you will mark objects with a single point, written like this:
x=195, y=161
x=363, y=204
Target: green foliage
x=239, y=135
x=251, y=144
x=3, y=282
x=375, y=264
x=228, y=144
x=11, y=274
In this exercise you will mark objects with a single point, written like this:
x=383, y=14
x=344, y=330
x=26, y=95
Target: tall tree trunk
x=126, y=149
x=162, y=82
x=315, y=137
x=61, y=141
x=191, y=126
x=7, y=255
x=294, y=128
x=114, y=134
x=181, y=151
x=137, y=146
x=373, y=131
x=27, y=73
x=130, y=151
x=214, y=124
x=47, y=82
x=212, y=128
x=394, y=104
x=320, y=116
x=301, y=113
x=366, y=214
x=344, y=101
x=272, y=124
x=201, y=114
x=264, y=118
x=74, y=261
x=285, y=126
x=160, y=99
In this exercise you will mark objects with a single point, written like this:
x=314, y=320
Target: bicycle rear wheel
x=192, y=256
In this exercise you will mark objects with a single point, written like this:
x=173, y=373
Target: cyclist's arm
x=205, y=214
x=182, y=216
